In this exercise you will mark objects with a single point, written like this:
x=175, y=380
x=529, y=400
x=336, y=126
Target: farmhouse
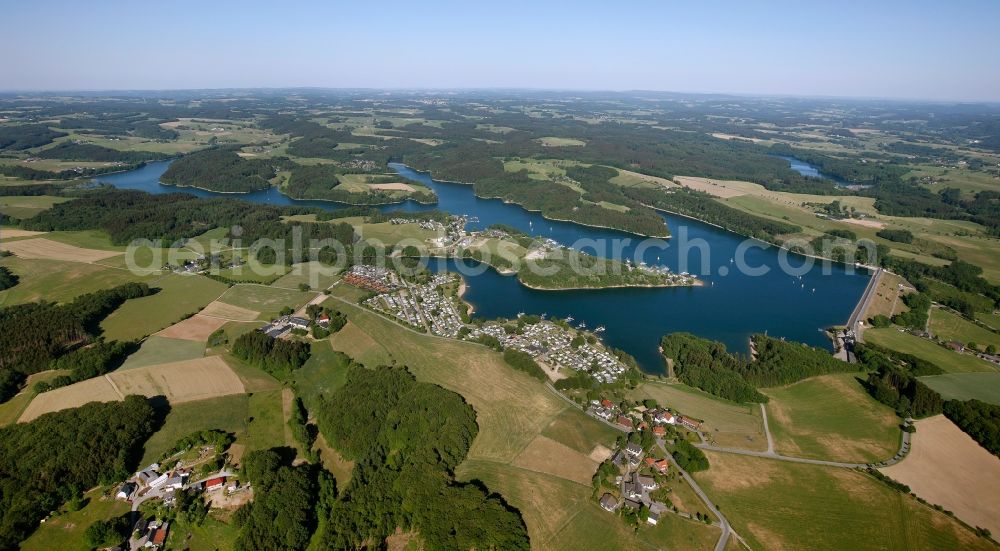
x=158, y=481
x=633, y=449
x=632, y=491
x=645, y=482
x=298, y=323
x=609, y=503
x=148, y=474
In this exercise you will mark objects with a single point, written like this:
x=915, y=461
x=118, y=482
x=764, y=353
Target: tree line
x=222, y=169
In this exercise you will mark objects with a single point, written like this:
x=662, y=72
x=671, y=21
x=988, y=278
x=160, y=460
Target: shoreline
x=508, y=273
x=399, y=202
x=537, y=211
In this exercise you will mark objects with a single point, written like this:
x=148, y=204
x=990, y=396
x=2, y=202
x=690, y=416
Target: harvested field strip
x=179, y=382
x=948, y=468
x=229, y=312
x=195, y=328
x=53, y=250
x=545, y=455
x=8, y=233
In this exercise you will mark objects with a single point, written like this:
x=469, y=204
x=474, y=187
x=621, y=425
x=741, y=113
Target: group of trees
x=979, y=420
x=278, y=357
x=34, y=334
x=522, y=361
x=286, y=500
x=899, y=236
x=72, y=151
x=25, y=136
x=87, y=362
x=222, y=169
x=8, y=279
x=707, y=365
x=892, y=380
x=919, y=305
x=406, y=439
x=690, y=458
x=55, y=457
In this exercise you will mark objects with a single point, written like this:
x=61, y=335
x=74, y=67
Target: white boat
x=599, y=329
x=583, y=325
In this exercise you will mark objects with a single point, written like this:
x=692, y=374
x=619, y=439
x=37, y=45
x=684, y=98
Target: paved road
x=723, y=522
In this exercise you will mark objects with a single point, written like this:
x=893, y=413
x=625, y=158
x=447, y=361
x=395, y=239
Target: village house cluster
x=157, y=483
x=425, y=306
x=372, y=278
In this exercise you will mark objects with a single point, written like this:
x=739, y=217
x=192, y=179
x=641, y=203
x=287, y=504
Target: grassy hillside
x=831, y=417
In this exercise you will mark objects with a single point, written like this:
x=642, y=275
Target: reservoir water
x=730, y=307
x=811, y=171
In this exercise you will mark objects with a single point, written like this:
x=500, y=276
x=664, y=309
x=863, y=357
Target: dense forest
x=279, y=357
x=702, y=206
x=26, y=136
x=34, y=334
x=406, y=438
x=707, y=365
x=167, y=218
x=223, y=170
x=283, y=512
x=72, y=151
x=57, y=456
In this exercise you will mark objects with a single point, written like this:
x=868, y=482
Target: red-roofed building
x=624, y=421
x=660, y=430
x=662, y=465
x=649, y=461
x=160, y=536
x=215, y=483
x=607, y=403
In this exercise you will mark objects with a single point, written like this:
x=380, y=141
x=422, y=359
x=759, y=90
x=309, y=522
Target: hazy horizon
x=911, y=51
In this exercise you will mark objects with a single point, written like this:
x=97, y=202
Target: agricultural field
x=266, y=426
x=27, y=206
x=229, y=312
x=59, y=280
x=947, y=325
x=512, y=409
x=179, y=382
x=563, y=515
x=888, y=297
x=65, y=531
x=946, y=359
x=552, y=141
x=197, y=328
x=228, y=413
x=966, y=386
x=727, y=423
x=358, y=345
x=43, y=247
x=14, y=407
x=179, y=296
x=575, y=429
x=314, y=274
x=267, y=300
x=948, y=468
x=159, y=350
x=831, y=417
x=783, y=505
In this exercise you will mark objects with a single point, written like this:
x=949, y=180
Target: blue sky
x=895, y=49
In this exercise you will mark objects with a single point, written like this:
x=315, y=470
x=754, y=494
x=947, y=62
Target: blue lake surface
x=730, y=307
x=807, y=169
